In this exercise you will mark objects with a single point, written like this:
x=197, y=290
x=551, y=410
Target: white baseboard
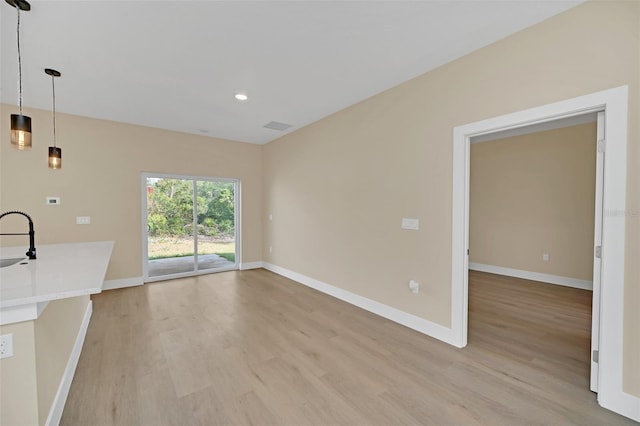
x=122, y=283
x=408, y=320
x=251, y=265
x=533, y=276
x=55, y=413
x=624, y=404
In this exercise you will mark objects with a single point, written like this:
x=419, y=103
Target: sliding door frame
x=237, y=211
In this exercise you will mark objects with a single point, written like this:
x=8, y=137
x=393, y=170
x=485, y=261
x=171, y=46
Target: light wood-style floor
x=252, y=347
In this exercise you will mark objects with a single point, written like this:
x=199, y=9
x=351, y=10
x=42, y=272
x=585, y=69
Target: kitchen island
x=60, y=271
x=45, y=308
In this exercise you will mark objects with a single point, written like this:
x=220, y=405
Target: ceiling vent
x=274, y=125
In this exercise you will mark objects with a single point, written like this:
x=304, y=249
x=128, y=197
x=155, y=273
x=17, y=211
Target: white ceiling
x=177, y=64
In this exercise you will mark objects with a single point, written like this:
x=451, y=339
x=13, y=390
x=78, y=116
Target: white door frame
x=614, y=103
x=597, y=242
x=237, y=219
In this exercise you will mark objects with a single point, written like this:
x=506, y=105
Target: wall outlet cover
x=6, y=345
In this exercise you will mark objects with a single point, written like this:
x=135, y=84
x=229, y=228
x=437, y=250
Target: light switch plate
x=407, y=223
x=83, y=220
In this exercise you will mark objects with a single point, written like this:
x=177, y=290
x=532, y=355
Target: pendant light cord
x=19, y=61
x=53, y=86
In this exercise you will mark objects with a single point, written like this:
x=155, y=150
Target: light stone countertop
x=60, y=271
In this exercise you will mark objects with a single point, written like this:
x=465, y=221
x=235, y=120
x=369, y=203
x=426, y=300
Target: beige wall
x=102, y=164
x=18, y=386
x=55, y=334
x=338, y=188
x=30, y=379
x=534, y=194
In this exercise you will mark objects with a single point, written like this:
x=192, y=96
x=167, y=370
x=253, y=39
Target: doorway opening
x=535, y=203
x=614, y=103
x=191, y=225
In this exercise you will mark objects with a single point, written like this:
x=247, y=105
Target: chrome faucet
x=32, y=240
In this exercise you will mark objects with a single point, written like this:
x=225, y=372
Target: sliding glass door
x=216, y=236
x=190, y=225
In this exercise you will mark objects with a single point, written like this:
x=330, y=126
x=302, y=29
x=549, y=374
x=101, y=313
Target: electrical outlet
x=545, y=257
x=414, y=286
x=6, y=345
x=270, y=249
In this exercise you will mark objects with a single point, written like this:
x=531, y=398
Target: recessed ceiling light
x=241, y=96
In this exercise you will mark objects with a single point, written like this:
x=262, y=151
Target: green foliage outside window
x=170, y=208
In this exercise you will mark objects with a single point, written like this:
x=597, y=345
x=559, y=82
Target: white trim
x=144, y=232
x=628, y=406
x=615, y=104
x=408, y=320
x=55, y=412
x=251, y=265
x=533, y=276
x=194, y=219
x=122, y=283
x=597, y=261
x=237, y=211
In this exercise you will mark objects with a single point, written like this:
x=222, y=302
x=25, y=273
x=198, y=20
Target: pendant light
x=20, y=124
x=55, y=153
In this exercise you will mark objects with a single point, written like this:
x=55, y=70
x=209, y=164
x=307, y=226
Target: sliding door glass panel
x=216, y=233
x=177, y=248
x=170, y=238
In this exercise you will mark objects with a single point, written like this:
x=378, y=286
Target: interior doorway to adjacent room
x=610, y=321
x=535, y=217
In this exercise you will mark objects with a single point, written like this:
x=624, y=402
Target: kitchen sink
x=12, y=261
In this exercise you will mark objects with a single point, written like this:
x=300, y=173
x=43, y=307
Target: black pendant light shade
x=21, y=132
x=55, y=157
x=20, y=124
x=55, y=153
x=20, y=4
